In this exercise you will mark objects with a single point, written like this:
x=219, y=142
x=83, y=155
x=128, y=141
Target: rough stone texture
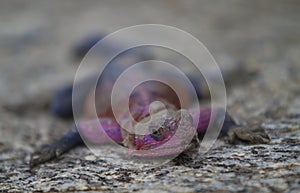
x=261, y=36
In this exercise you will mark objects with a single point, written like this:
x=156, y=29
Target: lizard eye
x=159, y=134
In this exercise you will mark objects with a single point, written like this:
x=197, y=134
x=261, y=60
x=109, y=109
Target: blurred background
x=37, y=39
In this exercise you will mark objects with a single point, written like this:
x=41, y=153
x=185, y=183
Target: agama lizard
x=139, y=104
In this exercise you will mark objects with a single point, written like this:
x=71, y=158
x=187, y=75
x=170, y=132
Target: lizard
x=163, y=124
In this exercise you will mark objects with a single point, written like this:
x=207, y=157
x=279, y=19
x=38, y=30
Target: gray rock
x=262, y=37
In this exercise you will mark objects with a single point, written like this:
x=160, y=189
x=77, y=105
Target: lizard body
x=162, y=127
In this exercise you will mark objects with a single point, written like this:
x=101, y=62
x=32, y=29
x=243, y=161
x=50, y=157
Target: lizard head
x=168, y=132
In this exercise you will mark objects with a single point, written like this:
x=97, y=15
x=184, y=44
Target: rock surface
x=261, y=36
